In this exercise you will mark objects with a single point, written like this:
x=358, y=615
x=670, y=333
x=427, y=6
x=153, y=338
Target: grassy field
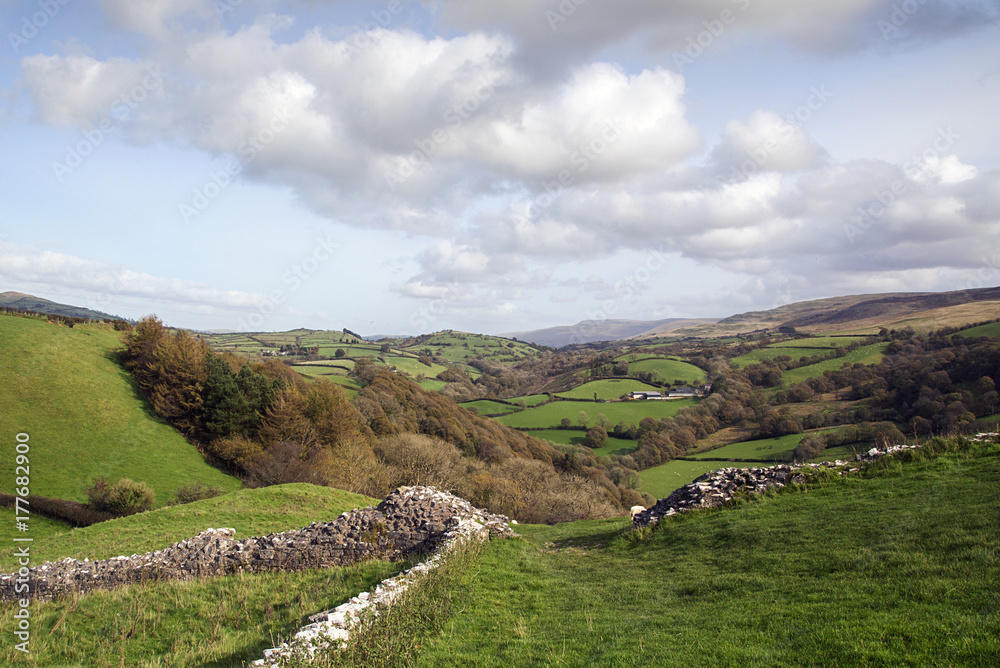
x=84, y=416
x=826, y=342
x=766, y=449
x=487, y=407
x=607, y=389
x=871, y=354
x=531, y=399
x=661, y=480
x=769, y=353
x=631, y=412
x=892, y=568
x=615, y=446
x=669, y=370
x=221, y=622
x=991, y=329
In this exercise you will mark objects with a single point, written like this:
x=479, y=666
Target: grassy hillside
x=21, y=301
x=84, y=416
x=898, y=567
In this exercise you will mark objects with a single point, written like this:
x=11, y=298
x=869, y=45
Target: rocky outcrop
x=411, y=520
x=720, y=486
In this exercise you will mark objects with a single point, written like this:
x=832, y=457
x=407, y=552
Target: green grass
x=669, y=370
x=252, y=512
x=487, y=407
x=826, y=342
x=765, y=449
x=615, y=446
x=531, y=399
x=607, y=389
x=990, y=329
x=661, y=480
x=871, y=354
x=761, y=354
x=84, y=416
x=898, y=568
x=631, y=412
x=216, y=622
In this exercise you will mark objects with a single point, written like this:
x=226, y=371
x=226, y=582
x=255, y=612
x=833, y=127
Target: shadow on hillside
x=123, y=373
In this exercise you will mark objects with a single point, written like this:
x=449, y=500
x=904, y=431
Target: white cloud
x=111, y=287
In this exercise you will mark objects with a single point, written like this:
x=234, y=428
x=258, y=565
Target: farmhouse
x=645, y=395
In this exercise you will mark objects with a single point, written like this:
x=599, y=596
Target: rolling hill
x=84, y=416
x=23, y=302
x=864, y=314
x=590, y=331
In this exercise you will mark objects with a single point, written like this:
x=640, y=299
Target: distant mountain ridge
x=893, y=310
x=25, y=302
x=590, y=331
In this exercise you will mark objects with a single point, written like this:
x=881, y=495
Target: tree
x=565, y=423
x=340, y=352
x=582, y=418
x=597, y=437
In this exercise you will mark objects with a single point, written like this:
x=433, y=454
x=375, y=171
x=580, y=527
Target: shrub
x=121, y=498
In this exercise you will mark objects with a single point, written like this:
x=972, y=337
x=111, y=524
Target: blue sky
x=401, y=167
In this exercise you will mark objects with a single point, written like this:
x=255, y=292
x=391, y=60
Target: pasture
x=661, y=480
x=870, y=354
x=668, y=370
x=630, y=412
x=607, y=389
x=615, y=446
x=762, y=450
x=487, y=407
x=989, y=329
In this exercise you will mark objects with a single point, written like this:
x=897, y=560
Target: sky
x=408, y=166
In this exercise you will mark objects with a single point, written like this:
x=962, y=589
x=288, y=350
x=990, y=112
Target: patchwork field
x=661, y=480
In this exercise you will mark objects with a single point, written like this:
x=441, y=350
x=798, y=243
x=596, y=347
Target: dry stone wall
x=718, y=487
x=411, y=520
